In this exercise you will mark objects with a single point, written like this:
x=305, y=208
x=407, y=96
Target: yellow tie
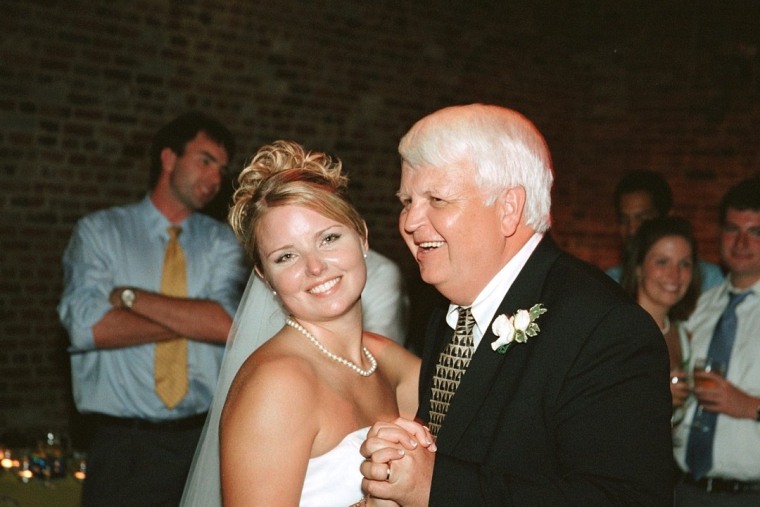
x=171, y=355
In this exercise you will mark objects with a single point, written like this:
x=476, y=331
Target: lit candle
x=6, y=462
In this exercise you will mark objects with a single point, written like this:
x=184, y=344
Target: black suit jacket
x=578, y=415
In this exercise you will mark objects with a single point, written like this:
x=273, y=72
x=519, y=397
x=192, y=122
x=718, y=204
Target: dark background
x=671, y=86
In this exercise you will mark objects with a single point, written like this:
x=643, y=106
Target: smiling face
x=665, y=274
x=315, y=264
x=195, y=176
x=740, y=246
x=458, y=242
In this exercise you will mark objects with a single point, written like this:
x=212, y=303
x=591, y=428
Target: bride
x=300, y=406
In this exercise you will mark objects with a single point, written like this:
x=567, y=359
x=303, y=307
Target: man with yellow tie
x=149, y=293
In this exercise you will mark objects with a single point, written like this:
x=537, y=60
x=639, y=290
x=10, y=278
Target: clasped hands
x=399, y=463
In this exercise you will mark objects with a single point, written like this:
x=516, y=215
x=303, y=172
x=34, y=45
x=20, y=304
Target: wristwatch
x=127, y=298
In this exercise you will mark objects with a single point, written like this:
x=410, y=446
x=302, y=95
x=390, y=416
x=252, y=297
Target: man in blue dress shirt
x=115, y=314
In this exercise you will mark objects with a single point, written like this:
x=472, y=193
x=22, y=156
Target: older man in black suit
x=560, y=382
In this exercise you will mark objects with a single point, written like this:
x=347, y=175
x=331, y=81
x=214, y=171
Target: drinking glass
x=708, y=365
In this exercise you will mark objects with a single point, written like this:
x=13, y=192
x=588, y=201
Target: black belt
x=715, y=485
x=186, y=423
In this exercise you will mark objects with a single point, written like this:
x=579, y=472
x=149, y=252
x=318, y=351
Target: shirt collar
x=157, y=222
x=755, y=287
x=489, y=299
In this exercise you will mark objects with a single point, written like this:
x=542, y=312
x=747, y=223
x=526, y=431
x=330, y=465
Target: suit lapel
x=486, y=363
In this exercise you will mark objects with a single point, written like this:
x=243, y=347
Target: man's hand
x=717, y=394
x=399, y=465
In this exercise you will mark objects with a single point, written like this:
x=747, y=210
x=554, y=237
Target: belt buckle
x=715, y=485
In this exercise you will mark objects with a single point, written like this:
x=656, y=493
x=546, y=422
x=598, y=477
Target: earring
x=365, y=255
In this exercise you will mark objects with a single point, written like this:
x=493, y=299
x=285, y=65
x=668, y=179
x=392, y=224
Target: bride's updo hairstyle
x=283, y=173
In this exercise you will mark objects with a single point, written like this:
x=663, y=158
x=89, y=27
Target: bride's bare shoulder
x=274, y=373
x=385, y=348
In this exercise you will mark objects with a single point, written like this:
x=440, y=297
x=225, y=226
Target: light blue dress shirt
x=124, y=246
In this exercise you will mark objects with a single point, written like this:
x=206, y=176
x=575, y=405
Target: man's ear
x=168, y=157
x=511, y=203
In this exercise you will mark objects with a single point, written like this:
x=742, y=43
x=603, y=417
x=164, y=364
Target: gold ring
x=388, y=473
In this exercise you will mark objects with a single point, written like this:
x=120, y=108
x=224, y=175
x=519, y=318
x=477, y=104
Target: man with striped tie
x=717, y=446
x=544, y=383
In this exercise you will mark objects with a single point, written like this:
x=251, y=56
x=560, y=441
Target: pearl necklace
x=664, y=329
x=364, y=373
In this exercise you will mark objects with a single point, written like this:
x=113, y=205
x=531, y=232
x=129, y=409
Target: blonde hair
x=283, y=173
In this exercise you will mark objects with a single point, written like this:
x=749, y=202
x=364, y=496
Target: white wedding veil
x=385, y=306
x=258, y=318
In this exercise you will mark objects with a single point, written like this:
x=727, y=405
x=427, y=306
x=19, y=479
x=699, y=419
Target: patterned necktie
x=452, y=363
x=170, y=371
x=699, y=450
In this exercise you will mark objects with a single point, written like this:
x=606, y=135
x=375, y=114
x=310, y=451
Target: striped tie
x=699, y=448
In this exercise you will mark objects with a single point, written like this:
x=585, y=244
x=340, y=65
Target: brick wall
x=83, y=85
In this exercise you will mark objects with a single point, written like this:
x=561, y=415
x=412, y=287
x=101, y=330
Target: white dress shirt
x=736, y=452
x=485, y=305
x=385, y=302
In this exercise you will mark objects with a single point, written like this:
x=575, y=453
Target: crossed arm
x=91, y=307
x=155, y=317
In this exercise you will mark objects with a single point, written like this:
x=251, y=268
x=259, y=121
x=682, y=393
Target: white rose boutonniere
x=517, y=328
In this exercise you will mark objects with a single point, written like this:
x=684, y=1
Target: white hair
x=506, y=149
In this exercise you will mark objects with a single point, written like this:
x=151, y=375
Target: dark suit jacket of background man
x=578, y=415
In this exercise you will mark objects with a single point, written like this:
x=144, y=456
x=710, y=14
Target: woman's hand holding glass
x=679, y=391
x=679, y=386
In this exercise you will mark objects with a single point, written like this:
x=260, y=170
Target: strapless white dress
x=333, y=479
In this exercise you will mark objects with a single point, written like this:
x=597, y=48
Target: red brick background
x=670, y=86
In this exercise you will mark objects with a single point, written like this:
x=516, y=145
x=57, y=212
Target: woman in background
x=659, y=272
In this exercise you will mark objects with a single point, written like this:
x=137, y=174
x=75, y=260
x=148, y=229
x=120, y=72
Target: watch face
x=128, y=297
